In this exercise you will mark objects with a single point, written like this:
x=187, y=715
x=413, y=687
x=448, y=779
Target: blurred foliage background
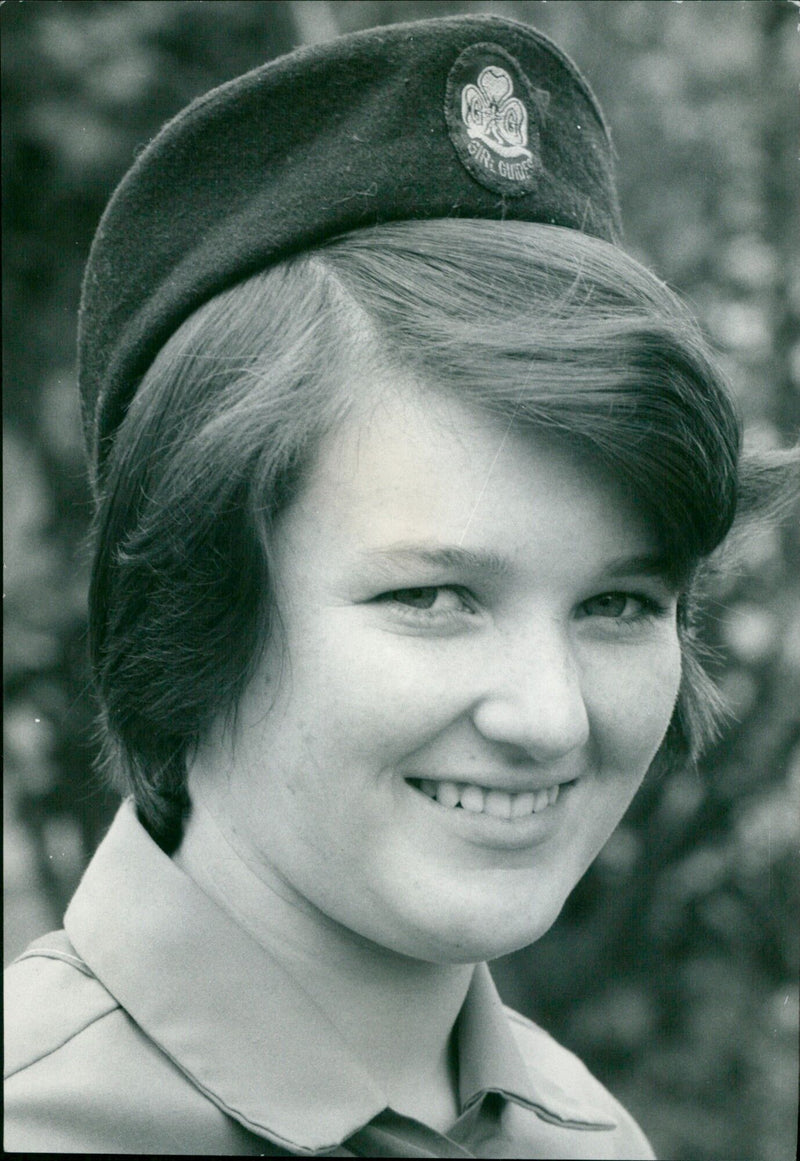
x=673, y=971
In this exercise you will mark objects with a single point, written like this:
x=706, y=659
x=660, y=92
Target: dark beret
x=465, y=116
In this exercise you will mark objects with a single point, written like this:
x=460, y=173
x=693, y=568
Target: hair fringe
x=538, y=324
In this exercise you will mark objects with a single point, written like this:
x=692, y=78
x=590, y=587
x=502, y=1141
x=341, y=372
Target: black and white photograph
x=401, y=532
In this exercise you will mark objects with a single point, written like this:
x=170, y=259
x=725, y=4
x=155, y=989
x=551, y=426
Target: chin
x=467, y=939
x=473, y=948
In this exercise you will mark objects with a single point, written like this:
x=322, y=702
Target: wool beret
x=469, y=116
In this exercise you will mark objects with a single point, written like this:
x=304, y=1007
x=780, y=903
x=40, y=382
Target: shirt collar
x=236, y=1023
x=490, y=1061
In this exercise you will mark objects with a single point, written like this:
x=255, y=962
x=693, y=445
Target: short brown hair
x=547, y=326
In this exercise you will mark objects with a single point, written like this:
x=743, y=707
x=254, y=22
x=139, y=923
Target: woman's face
x=479, y=660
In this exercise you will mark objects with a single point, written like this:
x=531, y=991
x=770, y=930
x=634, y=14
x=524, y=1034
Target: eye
x=429, y=599
x=621, y=607
x=424, y=598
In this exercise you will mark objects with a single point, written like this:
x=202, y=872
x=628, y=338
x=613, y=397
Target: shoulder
x=50, y=996
x=542, y=1052
x=546, y=1057
x=82, y=1077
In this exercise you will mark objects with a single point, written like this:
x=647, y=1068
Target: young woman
x=405, y=477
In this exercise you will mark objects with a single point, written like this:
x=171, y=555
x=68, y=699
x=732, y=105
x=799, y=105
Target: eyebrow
x=444, y=557
x=651, y=564
x=454, y=557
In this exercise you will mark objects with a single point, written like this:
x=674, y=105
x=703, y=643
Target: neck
x=396, y=1013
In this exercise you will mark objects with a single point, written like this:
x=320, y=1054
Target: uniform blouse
x=154, y=1024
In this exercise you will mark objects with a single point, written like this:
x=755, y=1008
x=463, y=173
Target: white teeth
x=448, y=794
x=473, y=799
x=539, y=801
x=522, y=804
x=497, y=803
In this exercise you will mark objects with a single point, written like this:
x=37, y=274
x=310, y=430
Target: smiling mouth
x=481, y=800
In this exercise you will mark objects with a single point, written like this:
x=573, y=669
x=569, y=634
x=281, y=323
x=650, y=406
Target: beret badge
x=519, y=119
x=490, y=108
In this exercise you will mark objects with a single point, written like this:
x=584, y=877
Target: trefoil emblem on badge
x=494, y=116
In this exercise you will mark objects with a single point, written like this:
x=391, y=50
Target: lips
x=475, y=799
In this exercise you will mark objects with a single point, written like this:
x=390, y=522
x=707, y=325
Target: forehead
x=422, y=464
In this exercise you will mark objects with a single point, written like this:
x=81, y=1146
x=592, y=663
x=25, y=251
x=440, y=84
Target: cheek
x=631, y=702
x=376, y=686
x=348, y=704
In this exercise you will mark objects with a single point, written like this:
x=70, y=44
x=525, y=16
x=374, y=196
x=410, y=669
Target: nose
x=532, y=698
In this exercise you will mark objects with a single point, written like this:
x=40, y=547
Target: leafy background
x=673, y=971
